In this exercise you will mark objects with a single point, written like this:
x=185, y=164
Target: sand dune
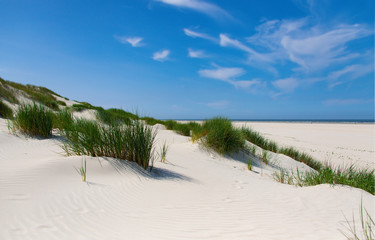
x=196, y=194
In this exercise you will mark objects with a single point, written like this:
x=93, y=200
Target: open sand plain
x=196, y=194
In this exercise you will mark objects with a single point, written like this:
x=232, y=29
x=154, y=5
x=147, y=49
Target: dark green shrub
x=34, y=120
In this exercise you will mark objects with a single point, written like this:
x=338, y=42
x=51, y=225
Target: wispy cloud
x=134, y=41
x=229, y=75
x=352, y=101
x=311, y=46
x=161, y=56
x=201, y=6
x=286, y=85
x=226, y=41
x=196, y=53
x=349, y=73
x=195, y=34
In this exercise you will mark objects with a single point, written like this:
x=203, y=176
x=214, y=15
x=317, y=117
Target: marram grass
x=133, y=142
x=34, y=120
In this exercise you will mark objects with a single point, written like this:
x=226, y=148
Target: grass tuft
x=82, y=170
x=163, y=152
x=34, y=120
x=221, y=136
x=133, y=142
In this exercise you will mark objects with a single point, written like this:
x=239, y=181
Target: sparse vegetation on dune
x=257, y=139
x=40, y=94
x=34, y=120
x=351, y=176
x=5, y=111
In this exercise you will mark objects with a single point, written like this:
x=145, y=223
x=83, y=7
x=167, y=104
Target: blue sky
x=195, y=59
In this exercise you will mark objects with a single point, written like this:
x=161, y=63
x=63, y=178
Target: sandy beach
x=337, y=143
x=196, y=194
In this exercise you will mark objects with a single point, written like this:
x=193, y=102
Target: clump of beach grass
x=5, y=111
x=265, y=157
x=34, y=120
x=82, y=170
x=163, y=152
x=283, y=176
x=220, y=135
x=63, y=119
x=133, y=142
x=249, y=164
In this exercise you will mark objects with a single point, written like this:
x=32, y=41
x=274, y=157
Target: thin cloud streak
x=209, y=9
x=134, y=41
x=196, y=53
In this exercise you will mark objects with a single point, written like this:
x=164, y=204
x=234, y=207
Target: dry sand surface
x=196, y=194
x=339, y=144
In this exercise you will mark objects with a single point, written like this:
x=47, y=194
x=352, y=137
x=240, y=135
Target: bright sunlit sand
x=187, y=120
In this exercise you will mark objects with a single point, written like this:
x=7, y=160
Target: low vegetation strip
x=257, y=139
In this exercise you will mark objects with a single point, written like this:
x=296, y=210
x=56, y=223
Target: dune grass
x=6, y=93
x=163, y=152
x=301, y=157
x=152, y=121
x=351, y=176
x=115, y=116
x=34, y=120
x=257, y=139
x=367, y=227
x=82, y=170
x=39, y=94
x=63, y=119
x=5, y=111
x=220, y=135
x=132, y=142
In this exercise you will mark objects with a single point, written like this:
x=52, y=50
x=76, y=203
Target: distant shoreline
x=348, y=121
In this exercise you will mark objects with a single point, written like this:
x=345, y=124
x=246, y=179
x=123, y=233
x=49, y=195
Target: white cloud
x=220, y=73
x=225, y=41
x=194, y=34
x=311, y=46
x=286, y=85
x=161, y=56
x=209, y=9
x=196, y=53
x=335, y=102
x=134, y=41
x=229, y=75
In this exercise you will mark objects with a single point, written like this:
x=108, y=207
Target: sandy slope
x=340, y=144
x=195, y=195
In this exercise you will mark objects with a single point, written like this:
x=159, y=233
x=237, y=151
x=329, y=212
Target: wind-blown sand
x=196, y=194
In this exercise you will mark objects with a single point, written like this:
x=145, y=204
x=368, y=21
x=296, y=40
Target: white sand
x=195, y=195
x=339, y=144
